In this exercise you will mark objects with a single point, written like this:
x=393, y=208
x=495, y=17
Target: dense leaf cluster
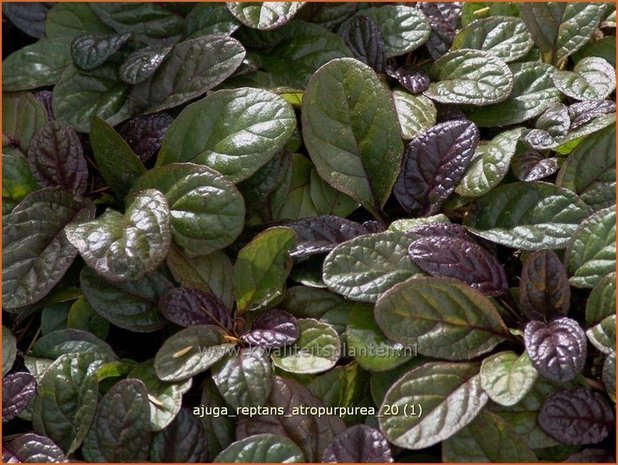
x=264, y=232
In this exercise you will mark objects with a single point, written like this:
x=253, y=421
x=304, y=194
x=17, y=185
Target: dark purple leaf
x=31, y=447
x=272, y=329
x=591, y=456
x=433, y=163
x=412, y=78
x=18, y=389
x=56, y=158
x=444, y=19
x=544, y=289
x=29, y=17
x=360, y=444
x=372, y=227
x=532, y=166
x=144, y=134
x=555, y=120
x=577, y=417
x=183, y=441
x=8, y=457
x=45, y=97
x=453, y=257
x=189, y=307
x=364, y=39
x=557, y=349
x=584, y=112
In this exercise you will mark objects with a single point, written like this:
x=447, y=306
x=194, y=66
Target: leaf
x=117, y=433
x=577, y=417
x=544, y=286
x=560, y=29
x=343, y=386
x=557, y=349
x=533, y=92
x=592, y=79
x=165, y=398
x=66, y=400
x=189, y=352
x=126, y=247
x=591, y=252
x=183, y=441
x=142, y=64
x=470, y=77
x=472, y=11
x=9, y=350
x=490, y=164
x=443, y=317
x=433, y=164
x=359, y=443
x=36, y=252
x=364, y=39
x=28, y=17
x=188, y=307
x=83, y=316
x=92, y=50
x=555, y=120
x=226, y=132
x=507, y=377
x=505, y=37
x=207, y=211
x=416, y=113
x=603, y=335
x=367, y=266
x=17, y=181
x=56, y=158
x=527, y=215
x=608, y=376
x=272, y=329
x=584, y=112
x=412, y=78
x=192, y=67
x=594, y=181
x=141, y=18
x=218, y=427
x=207, y=19
x=31, y=447
x=371, y=167
x=144, y=134
x=450, y=395
x=404, y=28
x=131, y=305
x=80, y=95
x=532, y=166
x=72, y=341
x=244, y=379
x=23, y=117
x=116, y=161
x=18, y=390
x=73, y=20
x=444, y=20
x=261, y=448
x=37, y=65
x=602, y=300
x=266, y=15
x=261, y=269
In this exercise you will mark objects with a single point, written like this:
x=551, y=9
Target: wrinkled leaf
x=144, y=134
x=209, y=18
x=507, y=377
x=189, y=307
x=358, y=444
x=92, y=50
x=183, y=441
x=272, y=329
x=22, y=117
x=592, y=79
x=416, y=113
x=72, y=341
x=413, y=78
x=261, y=448
x=364, y=39
x=31, y=447
x=264, y=16
x=18, y=389
x=602, y=300
x=532, y=166
x=29, y=17
x=603, y=335
x=142, y=64
x=444, y=20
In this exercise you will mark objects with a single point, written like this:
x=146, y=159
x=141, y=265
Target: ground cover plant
x=278, y=232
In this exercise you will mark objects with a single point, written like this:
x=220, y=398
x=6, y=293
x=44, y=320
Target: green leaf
x=317, y=349
x=603, y=335
x=191, y=68
x=118, y=433
x=117, y=162
x=218, y=426
x=79, y=96
x=83, y=316
x=603, y=48
x=533, y=92
x=488, y=438
x=310, y=302
x=9, y=350
x=507, y=377
x=54, y=317
x=449, y=394
x=92, y=50
x=72, y=19
x=67, y=399
x=591, y=252
x=590, y=170
x=262, y=267
x=444, y=318
x=165, y=398
x=360, y=132
x=17, y=181
x=210, y=19
x=22, y=117
x=405, y=224
x=609, y=376
x=262, y=448
x=416, y=113
x=126, y=247
x=131, y=305
x=71, y=341
x=149, y=19
x=592, y=79
x=602, y=300
x=207, y=211
x=142, y=64
x=244, y=379
x=505, y=37
x=232, y=131
x=527, y=215
x=343, y=386
x=367, y=266
x=490, y=164
x=404, y=28
x=470, y=77
x=36, y=252
x=189, y=352
x=472, y=11
x=264, y=15
x=369, y=346
x=36, y=65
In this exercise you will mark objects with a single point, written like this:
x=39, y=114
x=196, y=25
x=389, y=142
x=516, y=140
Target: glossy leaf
x=444, y=20
x=183, y=441
x=412, y=78
x=557, y=349
x=584, y=112
x=261, y=448
x=608, y=375
x=603, y=335
x=18, y=390
x=31, y=447
x=206, y=19
x=592, y=79
x=602, y=300
x=189, y=307
x=507, y=377
x=365, y=40
x=83, y=316
x=416, y=113
x=359, y=443
x=264, y=16
x=433, y=164
x=272, y=329
x=72, y=341
x=219, y=429
x=23, y=117
x=9, y=350
x=532, y=166
x=144, y=134
x=92, y=50
x=142, y=64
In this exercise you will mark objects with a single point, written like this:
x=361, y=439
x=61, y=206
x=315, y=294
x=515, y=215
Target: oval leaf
x=31, y=447
x=18, y=389
x=92, y=50
x=365, y=40
x=602, y=300
x=532, y=166
x=507, y=378
x=144, y=134
x=261, y=448
x=190, y=307
x=359, y=443
x=266, y=15
x=592, y=78
x=416, y=113
x=603, y=335
x=272, y=329
x=142, y=64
